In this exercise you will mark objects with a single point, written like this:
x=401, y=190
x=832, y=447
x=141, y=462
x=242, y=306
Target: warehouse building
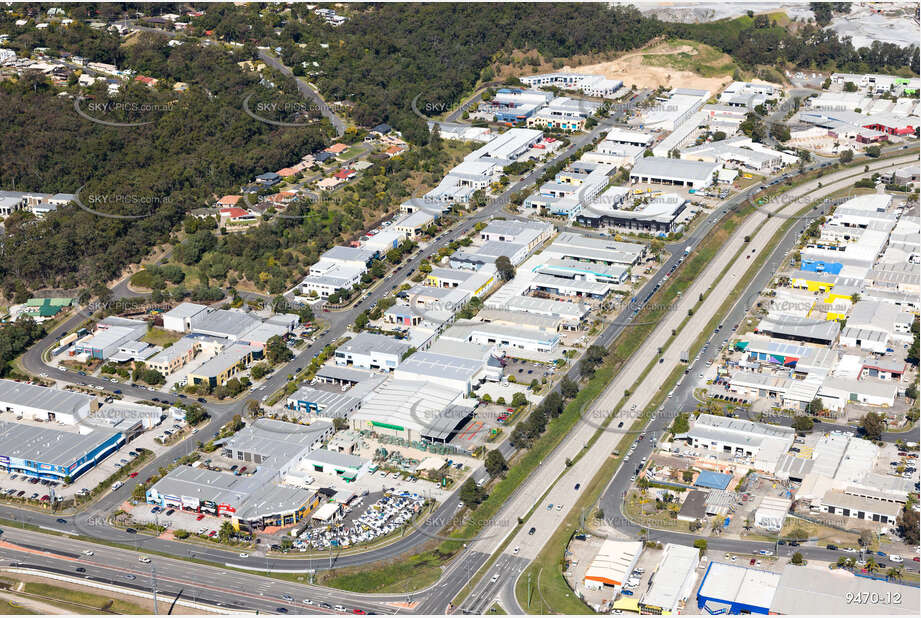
x=414, y=410
x=175, y=356
x=764, y=443
x=659, y=170
x=111, y=334
x=52, y=454
x=371, y=351
x=228, y=364
x=731, y=589
x=180, y=317
x=772, y=512
x=653, y=215
x=612, y=565
x=816, y=590
x=322, y=403
x=532, y=234
x=672, y=583
x=343, y=465
x=42, y=403
x=509, y=339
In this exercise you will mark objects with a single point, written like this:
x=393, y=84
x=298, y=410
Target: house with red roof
x=282, y=197
x=236, y=215
x=150, y=82
x=287, y=171
x=345, y=174
x=394, y=151
x=336, y=149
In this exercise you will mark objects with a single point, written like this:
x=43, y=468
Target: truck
x=685, y=356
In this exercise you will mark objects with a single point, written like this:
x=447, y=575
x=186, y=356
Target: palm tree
x=894, y=573
x=871, y=564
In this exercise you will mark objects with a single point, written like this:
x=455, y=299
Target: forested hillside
x=200, y=143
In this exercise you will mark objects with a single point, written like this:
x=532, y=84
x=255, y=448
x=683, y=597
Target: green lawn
x=100, y=602
x=161, y=336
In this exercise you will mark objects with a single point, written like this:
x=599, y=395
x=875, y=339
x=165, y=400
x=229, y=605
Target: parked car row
x=386, y=515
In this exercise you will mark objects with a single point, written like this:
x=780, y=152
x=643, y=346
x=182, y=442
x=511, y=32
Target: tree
x=907, y=523
x=912, y=356
x=687, y=476
x=276, y=351
x=802, y=423
x=495, y=463
x=680, y=424
x=873, y=425
x=195, y=414
x=846, y=156
x=226, y=532
x=518, y=400
x=873, y=151
x=797, y=558
x=504, y=268
x=569, y=388
x=471, y=494
x=701, y=544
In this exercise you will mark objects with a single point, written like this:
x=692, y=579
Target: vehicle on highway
x=578, y=485
x=494, y=578
x=339, y=608
x=287, y=597
x=61, y=520
x=129, y=577
x=243, y=554
x=281, y=610
x=81, y=570
x=896, y=558
x=532, y=530
x=88, y=552
x=144, y=559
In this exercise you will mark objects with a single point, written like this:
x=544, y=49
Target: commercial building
x=765, y=444
x=371, y=351
x=175, y=356
x=42, y=403
x=659, y=170
x=588, y=84
x=224, y=323
x=180, y=317
x=836, y=502
x=612, y=565
x=807, y=590
x=52, y=454
x=225, y=366
x=251, y=503
x=415, y=224
x=509, y=339
x=532, y=234
x=111, y=333
x=675, y=108
x=655, y=215
x=641, y=139
x=747, y=95
x=414, y=410
x=322, y=403
x=564, y=114
x=772, y=512
x=343, y=465
x=607, y=251
x=740, y=153
x=731, y=589
x=459, y=374
x=672, y=582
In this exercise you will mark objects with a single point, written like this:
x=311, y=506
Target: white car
x=895, y=558
x=144, y=559
x=243, y=554
x=516, y=550
x=88, y=552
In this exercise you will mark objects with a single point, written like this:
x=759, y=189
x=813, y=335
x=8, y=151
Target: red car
x=212, y=533
x=916, y=559
x=359, y=611
x=132, y=475
x=200, y=517
x=510, y=410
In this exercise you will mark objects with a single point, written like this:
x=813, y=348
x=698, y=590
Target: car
x=144, y=559
x=213, y=533
x=88, y=552
x=578, y=485
x=132, y=475
x=281, y=610
x=130, y=577
x=170, y=512
x=849, y=550
x=61, y=520
x=494, y=578
x=559, y=507
x=831, y=547
x=532, y=531
x=287, y=597
x=243, y=554
x=324, y=605
x=516, y=550
x=339, y=608
x=200, y=517
x=896, y=558
x=360, y=612
x=131, y=531
x=766, y=552
x=81, y=570
x=201, y=400
x=627, y=592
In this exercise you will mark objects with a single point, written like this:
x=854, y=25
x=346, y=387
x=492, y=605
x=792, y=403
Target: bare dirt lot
x=677, y=64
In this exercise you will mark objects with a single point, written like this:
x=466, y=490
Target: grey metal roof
x=661, y=167
x=185, y=310
x=224, y=322
x=440, y=366
x=50, y=446
x=328, y=404
x=225, y=360
x=335, y=458
x=367, y=343
x=42, y=397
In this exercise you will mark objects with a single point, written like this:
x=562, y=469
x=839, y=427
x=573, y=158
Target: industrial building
x=590, y=85
x=747, y=95
x=807, y=590
x=612, y=565
x=513, y=341
x=674, y=109
x=322, y=403
x=648, y=215
x=180, y=317
x=228, y=364
x=371, y=351
x=42, y=403
x=110, y=334
x=731, y=589
x=772, y=512
x=672, y=583
x=46, y=453
x=763, y=443
x=659, y=170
